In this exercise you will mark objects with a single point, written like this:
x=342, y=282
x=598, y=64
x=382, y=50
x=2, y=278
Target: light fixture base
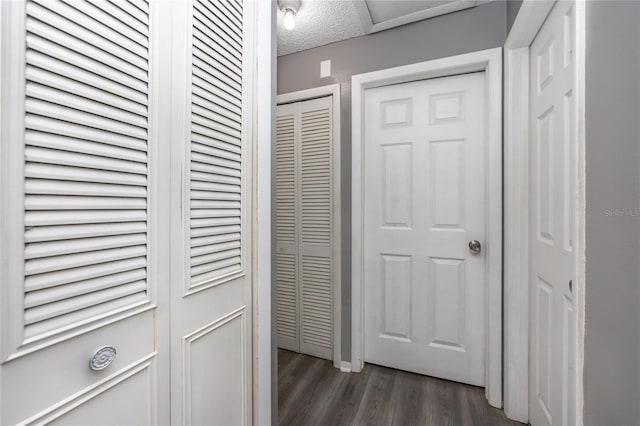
x=293, y=5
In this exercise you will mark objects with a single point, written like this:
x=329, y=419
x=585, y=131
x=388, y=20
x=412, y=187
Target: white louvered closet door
x=211, y=172
x=304, y=223
x=80, y=211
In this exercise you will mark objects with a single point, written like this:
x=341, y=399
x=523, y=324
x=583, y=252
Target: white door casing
x=306, y=266
x=553, y=224
x=211, y=169
x=81, y=213
x=490, y=62
x=424, y=201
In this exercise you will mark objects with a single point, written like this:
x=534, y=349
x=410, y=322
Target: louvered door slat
x=55, y=156
x=125, y=13
x=285, y=181
x=86, y=174
x=45, y=53
x=216, y=187
x=68, y=232
x=60, y=28
x=80, y=275
x=49, y=295
x=50, y=310
x=126, y=29
x=102, y=94
x=316, y=176
x=218, y=16
x=136, y=8
x=99, y=310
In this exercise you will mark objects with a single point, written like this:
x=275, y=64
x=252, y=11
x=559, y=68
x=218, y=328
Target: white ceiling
x=320, y=22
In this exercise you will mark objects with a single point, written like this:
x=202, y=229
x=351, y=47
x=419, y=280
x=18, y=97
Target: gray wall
x=612, y=334
x=513, y=6
x=465, y=31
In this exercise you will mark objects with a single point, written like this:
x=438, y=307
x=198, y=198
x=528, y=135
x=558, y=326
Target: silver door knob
x=475, y=247
x=102, y=358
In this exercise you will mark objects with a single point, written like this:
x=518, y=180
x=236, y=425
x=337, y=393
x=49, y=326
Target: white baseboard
x=345, y=367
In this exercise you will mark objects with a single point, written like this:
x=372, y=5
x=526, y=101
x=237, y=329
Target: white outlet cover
x=325, y=68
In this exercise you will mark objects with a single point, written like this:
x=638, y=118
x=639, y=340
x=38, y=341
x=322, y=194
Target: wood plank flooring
x=313, y=392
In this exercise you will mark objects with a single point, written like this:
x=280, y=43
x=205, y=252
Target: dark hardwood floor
x=313, y=392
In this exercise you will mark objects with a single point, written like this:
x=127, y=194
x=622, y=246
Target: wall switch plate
x=325, y=68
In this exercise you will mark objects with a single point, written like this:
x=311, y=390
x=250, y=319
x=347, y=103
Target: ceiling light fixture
x=289, y=8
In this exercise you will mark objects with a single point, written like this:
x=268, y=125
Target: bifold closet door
x=125, y=211
x=304, y=227
x=81, y=209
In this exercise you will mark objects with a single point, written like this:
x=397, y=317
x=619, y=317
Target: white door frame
x=265, y=401
x=528, y=22
x=489, y=61
x=332, y=90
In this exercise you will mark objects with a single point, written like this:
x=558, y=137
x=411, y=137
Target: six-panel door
x=553, y=219
x=424, y=200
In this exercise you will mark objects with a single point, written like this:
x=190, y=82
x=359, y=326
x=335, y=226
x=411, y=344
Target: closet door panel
x=286, y=224
x=80, y=212
x=315, y=219
x=212, y=221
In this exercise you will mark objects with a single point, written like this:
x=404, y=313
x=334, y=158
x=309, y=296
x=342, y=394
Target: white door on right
x=424, y=201
x=552, y=219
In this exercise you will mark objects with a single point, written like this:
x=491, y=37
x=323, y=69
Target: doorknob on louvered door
x=475, y=247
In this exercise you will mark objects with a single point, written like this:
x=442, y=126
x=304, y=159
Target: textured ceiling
x=319, y=22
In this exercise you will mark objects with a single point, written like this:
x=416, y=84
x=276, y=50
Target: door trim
x=489, y=61
x=529, y=20
x=332, y=90
x=265, y=377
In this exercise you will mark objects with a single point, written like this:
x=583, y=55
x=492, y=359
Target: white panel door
x=553, y=220
x=304, y=225
x=81, y=209
x=211, y=200
x=424, y=201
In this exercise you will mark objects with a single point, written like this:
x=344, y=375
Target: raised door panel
x=215, y=355
x=397, y=185
x=131, y=391
x=397, y=280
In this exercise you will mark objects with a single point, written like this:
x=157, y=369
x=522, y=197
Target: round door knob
x=102, y=358
x=475, y=247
